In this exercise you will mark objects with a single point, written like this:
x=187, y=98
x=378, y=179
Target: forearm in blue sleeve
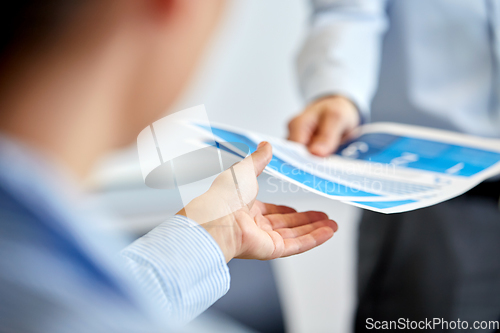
x=341, y=55
x=181, y=266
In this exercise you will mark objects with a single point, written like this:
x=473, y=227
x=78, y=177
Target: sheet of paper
x=384, y=167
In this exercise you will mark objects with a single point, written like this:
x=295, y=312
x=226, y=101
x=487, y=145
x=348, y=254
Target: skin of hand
x=255, y=230
x=323, y=124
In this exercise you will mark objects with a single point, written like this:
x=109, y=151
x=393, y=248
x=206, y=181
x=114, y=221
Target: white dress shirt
x=425, y=62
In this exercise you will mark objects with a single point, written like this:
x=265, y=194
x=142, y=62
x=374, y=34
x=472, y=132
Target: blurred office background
x=247, y=79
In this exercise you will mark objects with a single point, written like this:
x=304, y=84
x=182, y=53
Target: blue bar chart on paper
x=383, y=167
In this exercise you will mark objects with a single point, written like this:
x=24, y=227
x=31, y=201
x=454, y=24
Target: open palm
x=249, y=229
x=269, y=231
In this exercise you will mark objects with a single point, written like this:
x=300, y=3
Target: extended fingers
x=306, y=242
x=287, y=233
x=266, y=208
x=292, y=220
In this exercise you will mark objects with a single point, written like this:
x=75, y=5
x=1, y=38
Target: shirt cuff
x=181, y=266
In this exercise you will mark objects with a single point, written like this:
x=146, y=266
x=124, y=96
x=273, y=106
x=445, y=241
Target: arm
x=180, y=265
x=183, y=264
x=338, y=70
x=53, y=278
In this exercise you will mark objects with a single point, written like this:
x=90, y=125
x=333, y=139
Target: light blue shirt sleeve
x=341, y=55
x=52, y=287
x=181, y=266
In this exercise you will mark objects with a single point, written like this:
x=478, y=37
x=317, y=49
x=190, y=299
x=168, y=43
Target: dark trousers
x=439, y=262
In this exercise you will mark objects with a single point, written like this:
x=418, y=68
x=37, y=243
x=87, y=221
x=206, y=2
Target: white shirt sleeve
x=341, y=55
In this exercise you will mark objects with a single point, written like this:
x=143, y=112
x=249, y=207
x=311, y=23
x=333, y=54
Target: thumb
x=261, y=157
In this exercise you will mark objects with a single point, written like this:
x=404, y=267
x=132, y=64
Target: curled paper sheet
x=383, y=167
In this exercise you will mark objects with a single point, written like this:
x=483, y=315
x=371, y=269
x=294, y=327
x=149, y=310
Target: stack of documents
x=383, y=167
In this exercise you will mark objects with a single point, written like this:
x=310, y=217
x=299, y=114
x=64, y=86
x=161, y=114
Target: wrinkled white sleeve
x=341, y=55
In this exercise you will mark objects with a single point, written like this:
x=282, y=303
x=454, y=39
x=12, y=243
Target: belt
x=486, y=190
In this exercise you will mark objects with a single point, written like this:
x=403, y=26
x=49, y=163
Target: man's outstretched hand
x=249, y=229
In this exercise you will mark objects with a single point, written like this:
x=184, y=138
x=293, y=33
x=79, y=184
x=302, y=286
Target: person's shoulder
x=36, y=240
x=17, y=218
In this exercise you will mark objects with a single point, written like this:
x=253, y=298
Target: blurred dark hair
x=28, y=24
